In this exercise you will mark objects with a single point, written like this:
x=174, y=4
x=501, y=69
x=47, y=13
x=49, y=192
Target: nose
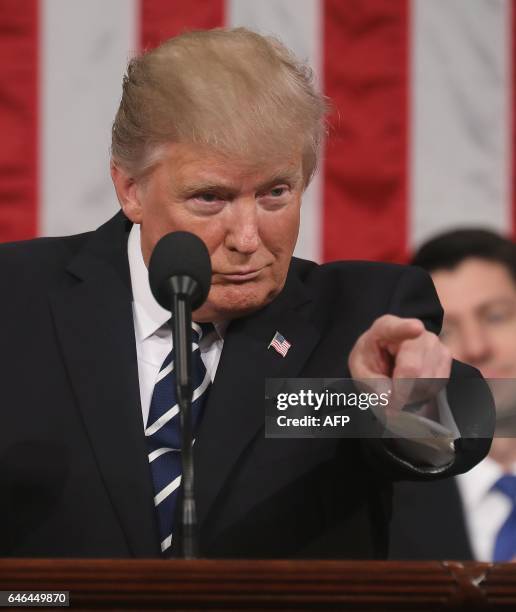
x=243, y=235
x=474, y=347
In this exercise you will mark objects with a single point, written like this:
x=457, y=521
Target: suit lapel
x=235, y=411
x=94, y=326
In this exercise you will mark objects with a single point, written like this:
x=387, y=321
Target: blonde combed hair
x=233, y=90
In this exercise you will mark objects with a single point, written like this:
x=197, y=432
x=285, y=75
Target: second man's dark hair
x=449, y=249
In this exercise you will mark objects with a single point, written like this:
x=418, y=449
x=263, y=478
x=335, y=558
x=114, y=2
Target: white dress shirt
x=153, y=335
x=485, y=510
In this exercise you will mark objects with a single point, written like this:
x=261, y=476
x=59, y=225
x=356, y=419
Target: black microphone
x=180, y=279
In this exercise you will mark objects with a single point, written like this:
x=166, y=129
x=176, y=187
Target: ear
x=127, y=193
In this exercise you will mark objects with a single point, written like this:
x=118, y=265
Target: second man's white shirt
x=485, y=508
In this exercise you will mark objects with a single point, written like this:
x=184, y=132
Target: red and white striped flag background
x=421, y=136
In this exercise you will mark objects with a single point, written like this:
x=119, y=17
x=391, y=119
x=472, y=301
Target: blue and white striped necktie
x=163, y=431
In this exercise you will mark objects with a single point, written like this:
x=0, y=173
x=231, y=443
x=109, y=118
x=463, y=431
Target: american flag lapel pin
x=280, y=344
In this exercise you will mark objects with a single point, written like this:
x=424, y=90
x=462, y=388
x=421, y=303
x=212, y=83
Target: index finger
x=392, y=329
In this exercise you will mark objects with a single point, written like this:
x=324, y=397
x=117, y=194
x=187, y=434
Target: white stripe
x=298, y=24
x=85, y=47
x=460, y=115
x=196, y=327
x=164, y=372
x=167, y=542
x=202, y=387
x=170, y=366
x=160, y=451
x=166, y=491
x=165, y=418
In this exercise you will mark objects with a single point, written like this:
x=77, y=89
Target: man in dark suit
x=216, y=134
x=463, y=517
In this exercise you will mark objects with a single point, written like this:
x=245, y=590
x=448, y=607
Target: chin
x=231, y=302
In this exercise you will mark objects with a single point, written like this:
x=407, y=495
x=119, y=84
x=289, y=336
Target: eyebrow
x=200, y=187
x=480, y=308
x=211, y=186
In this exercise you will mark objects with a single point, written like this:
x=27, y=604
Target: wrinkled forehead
x=259, y=148
x=207, y=167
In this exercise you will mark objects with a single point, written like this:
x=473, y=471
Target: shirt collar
x=476, y=484
x=149, y=316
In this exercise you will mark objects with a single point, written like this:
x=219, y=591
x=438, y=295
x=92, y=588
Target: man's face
x=479, y=302
x=247, y=215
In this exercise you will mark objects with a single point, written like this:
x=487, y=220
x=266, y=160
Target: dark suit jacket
x=428, y=522
x=74, y=475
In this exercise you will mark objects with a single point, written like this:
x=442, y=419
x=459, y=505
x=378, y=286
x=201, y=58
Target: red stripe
x=512, y=113
x=365, y=174
x=18, y=118
x=161, y=20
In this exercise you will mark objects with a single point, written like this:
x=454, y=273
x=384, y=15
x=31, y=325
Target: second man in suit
x=469, y=516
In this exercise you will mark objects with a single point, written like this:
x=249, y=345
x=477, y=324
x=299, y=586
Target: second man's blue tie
x=505, y=544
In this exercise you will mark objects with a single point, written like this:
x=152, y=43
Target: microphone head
x=180, y=254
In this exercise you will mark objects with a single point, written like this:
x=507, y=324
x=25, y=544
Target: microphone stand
x=181, y=324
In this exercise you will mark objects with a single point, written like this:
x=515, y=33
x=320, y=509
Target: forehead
x=185, y=163
x=473, y=283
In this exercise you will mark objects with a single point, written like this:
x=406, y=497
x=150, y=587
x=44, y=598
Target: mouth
x=240, y=276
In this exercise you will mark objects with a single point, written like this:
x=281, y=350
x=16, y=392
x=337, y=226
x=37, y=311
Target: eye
x=207, y=197
x=277, y=192
x=206, y=202
x=447, y=332
x=497, y=317
x=276, y=198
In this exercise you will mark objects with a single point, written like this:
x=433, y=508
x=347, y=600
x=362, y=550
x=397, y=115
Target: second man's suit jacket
x=428, y=522
x=74, y=475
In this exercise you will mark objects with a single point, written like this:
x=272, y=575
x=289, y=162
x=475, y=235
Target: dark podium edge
x=210, y=584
